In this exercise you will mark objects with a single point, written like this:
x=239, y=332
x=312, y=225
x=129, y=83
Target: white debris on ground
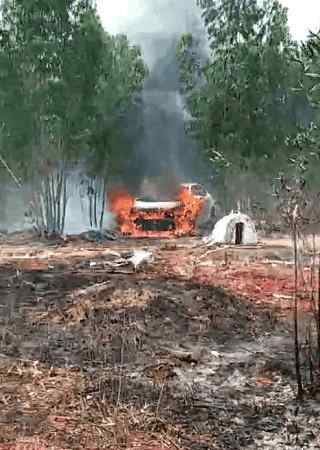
x=134, y=258
x=235, y=228
x=140, y=257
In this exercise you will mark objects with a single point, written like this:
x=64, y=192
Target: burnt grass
x=146, y=357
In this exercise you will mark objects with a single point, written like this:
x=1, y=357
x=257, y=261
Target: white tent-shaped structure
x=236, y=228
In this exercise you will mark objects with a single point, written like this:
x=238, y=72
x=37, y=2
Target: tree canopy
x=65, y=88
x=240, y=99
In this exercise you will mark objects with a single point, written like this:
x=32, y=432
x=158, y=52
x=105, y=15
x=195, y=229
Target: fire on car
x=138, y=218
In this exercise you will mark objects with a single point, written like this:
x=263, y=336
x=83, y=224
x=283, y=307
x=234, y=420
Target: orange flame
x=180, y=220
x=120, y=202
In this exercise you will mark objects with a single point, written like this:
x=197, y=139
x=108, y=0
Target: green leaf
x=313, y=75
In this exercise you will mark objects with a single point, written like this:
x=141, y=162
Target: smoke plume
x=163, y=151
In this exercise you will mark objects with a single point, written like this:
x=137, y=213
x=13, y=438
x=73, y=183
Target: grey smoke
x=164, y=145
x=166, y=19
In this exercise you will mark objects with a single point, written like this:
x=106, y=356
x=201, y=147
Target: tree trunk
x=54, y=203
x=95, y=199
x=64, y=204
x=90, y=204
x=318, y=314
x=46, y=201
x=313, y=272
x=296, y=330
x=50, y=220
x=59, y=192
x=103, y=204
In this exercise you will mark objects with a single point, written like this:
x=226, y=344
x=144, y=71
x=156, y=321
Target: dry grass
x=87, y=356
x=60, y=408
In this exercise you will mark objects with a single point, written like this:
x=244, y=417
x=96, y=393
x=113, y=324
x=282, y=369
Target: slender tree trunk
x=310, y=356
x=318, y=314
x=90, y=204
x=64, y=204
x=50, y=221
x=313, y=272
x=55, y=200
x=103, y=204
x=45, y=201
x=296, y=330
x=35, y=211
x=10, y=171
x=59, y=191
x=96, y=192
x=41, y=213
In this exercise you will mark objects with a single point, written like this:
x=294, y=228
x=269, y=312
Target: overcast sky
x=117, y=15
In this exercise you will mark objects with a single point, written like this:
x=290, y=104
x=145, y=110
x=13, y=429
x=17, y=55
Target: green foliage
x=118, y=91
x=64, y=81
x=310, y=81
x=66, y=87
x=304, y=148
x=240, y=99
x=47, y=52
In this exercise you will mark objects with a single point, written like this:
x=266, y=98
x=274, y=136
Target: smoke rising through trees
x=164, y=149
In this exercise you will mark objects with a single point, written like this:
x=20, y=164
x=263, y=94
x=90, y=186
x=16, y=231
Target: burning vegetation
x=161, y=219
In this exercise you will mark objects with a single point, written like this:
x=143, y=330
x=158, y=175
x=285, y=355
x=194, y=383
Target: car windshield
x=146, y=198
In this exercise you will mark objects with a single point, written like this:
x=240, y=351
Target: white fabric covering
x=224, y=231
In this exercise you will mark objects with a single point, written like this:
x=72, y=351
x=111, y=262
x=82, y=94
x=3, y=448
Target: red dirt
x=45, y=297
x=266, y=286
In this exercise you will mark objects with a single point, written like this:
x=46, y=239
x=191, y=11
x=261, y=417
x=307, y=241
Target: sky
x=117, y=15
x=304, y=15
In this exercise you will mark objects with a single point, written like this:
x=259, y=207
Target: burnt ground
x=171, y=356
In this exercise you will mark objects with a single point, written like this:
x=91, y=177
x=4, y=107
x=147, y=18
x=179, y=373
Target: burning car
x=141, y=217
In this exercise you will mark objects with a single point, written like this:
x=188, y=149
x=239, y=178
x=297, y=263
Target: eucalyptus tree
x=117, y=102
x=240, y=100
x=63, y=81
